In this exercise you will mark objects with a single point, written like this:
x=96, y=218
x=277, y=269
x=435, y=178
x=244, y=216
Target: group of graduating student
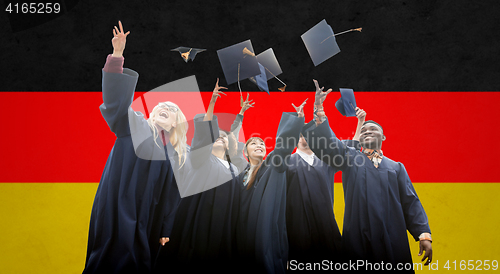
x=223, y=205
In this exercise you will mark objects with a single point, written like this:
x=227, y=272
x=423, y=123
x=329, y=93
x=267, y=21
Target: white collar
x=224, y=162
x=308, y=158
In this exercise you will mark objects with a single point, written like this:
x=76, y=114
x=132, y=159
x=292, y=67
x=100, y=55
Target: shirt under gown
x=380, y=203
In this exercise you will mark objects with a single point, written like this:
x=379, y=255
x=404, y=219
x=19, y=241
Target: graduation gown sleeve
x=261, y=230
x=239, y=159
x=415, y=216
x=117, y=95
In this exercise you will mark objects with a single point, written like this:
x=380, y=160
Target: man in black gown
x=380, y=201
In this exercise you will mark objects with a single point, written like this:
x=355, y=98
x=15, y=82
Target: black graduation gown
x=136, y=199
x=261, y=231
x=313, y=234
x=380, y=203
x=238, y=160
x=203, y=232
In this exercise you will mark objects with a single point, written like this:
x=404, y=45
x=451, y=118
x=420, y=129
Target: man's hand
x=164, y=240
x=361, y=115
x=320, y=95
x=426, y=245
x=246, y=105
x=300, y=109
x=119, y=40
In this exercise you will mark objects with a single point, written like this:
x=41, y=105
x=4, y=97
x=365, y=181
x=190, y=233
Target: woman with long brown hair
x=261, y=230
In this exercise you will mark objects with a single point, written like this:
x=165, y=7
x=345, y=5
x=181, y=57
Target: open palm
x=119, y=38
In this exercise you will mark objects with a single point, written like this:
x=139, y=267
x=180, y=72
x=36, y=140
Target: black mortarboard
x=271, y=65
x=320, y=42
x=346, y=104
x=261, y=80
x=188, y=53
x=267, y=62
x=238, y=62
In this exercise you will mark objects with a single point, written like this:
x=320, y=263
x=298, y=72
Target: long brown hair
x=254, y=173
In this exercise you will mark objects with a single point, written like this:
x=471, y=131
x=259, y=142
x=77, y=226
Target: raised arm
x=236, y=126
x=320, y=136
x=239, y=160
x=287, y=137
x=319, y=98
x=215, y=94
x=118, y=86
x=361, y=115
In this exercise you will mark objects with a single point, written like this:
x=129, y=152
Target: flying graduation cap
x=238, y=64
x=261, y=80
x=270, y=68
x=188, y=53
x=346, y=104
x=320, y=42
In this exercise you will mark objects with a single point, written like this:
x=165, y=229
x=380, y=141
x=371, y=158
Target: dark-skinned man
x=380, y=201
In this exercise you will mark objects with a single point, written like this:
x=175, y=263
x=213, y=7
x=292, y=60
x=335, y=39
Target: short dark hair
x=373, y=122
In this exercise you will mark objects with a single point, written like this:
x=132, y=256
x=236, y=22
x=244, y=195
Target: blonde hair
x=178, y=137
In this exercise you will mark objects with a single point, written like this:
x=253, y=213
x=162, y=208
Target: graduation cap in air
x=321, y=43
x=238, y=62
x=188, y=53
x=346, y=105
x=269, y=68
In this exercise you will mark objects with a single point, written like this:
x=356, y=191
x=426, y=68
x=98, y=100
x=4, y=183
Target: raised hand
x=119, y=40
x=246, y=104
x=300, y=109
x=360, y=114
x=216, y=93
x=320, y=95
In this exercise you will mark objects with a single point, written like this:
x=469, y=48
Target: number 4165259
x=33, y=8
x=472, y=265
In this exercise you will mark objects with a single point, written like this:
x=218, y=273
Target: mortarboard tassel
x=282, y=88
x=185, y=55
x=241, y=95
x=248, y=52
x=358, y=29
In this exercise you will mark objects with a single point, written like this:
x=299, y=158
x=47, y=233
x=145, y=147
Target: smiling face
x=165, y=115
x=371, y=136
x=255, y=149
x=222, y=142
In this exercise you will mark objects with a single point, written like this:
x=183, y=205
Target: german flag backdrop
x=427, y=71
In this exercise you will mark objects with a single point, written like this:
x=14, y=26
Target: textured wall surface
x=411, y=45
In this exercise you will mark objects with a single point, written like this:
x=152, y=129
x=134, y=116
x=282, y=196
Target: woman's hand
x=246, y=104
x=119, y=40
x=300, y=109
x=216, y=93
